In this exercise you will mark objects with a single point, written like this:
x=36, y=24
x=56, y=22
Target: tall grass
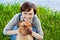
x=50, y=20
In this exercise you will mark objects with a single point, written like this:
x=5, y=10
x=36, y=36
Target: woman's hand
x=12, y=32
x=37, y=36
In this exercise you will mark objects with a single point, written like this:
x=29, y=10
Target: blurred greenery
x=50, y=20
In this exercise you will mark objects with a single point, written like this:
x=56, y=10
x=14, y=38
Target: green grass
x=50, y=20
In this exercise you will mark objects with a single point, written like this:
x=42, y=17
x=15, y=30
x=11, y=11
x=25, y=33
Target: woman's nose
x=27, y=16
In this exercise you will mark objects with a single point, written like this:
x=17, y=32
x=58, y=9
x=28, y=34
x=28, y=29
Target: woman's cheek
x=23, y=16
x=32, y=17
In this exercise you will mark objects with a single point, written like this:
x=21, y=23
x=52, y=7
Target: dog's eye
x=24, y=26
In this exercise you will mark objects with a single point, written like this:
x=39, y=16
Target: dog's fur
x=24, y=31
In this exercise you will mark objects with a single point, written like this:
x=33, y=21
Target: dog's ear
x=19, y=22
x=31, y=24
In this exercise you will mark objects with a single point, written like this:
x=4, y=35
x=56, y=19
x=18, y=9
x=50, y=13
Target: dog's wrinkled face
x=24, y=27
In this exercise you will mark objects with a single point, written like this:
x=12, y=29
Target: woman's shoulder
x=35, y=17
x=16, y=15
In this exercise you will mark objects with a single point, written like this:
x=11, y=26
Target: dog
x=24, y=31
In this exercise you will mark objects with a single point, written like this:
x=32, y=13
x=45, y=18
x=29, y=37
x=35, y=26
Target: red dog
x=24, y=32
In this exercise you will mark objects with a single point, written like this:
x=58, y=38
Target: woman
x=28, y=14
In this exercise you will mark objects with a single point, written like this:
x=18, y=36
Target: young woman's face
x=28, y=16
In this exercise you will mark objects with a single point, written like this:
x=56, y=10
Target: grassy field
x=50, y=20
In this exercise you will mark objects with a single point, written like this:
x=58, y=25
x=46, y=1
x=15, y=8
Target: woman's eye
x=30, y=13
x=25, y=13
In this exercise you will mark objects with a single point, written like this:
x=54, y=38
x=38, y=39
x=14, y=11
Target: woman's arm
x=11, y=32
x=37, y=24
x=7, y=30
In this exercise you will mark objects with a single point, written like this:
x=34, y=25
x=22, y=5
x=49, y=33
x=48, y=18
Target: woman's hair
x=27, y=7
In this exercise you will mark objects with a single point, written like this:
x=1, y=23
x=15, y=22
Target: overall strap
x=20, y=16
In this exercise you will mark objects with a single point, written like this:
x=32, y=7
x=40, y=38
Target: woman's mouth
x=26, y=19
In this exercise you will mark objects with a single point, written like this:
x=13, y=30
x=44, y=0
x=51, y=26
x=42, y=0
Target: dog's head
x=24, y=27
